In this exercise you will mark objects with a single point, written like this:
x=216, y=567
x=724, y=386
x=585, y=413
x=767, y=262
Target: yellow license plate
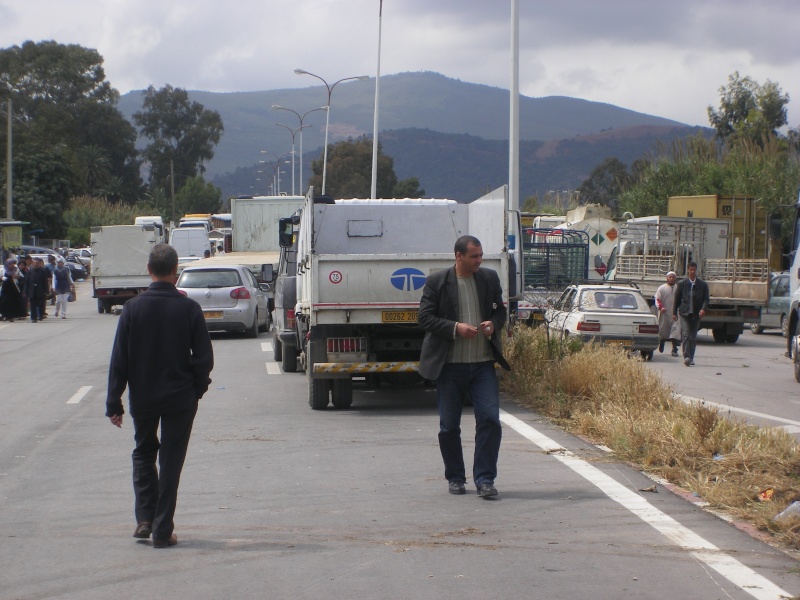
x=617, y=343
x=212, y=314
x=399, y=316
x=538, y=317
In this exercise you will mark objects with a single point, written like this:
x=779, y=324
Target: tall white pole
x=374, y=188
x=9, y=170
x=513, y=137
x=325, y=152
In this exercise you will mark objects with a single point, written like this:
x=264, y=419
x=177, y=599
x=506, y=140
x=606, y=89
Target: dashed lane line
x=702, y=550
x=78, y=396
x=273, y=368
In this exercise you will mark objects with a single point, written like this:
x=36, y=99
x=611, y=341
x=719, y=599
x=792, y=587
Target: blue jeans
x=455, y=382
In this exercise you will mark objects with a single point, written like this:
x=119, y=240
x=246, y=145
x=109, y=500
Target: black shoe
x=457, y=487
x=674, y=352
x=661, y=346
x=485, y=490
x=143, y=530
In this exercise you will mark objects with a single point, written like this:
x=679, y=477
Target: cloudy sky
x=663, y=58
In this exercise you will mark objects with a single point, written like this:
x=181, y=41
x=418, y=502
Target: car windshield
x=613, y=300
x=209, y=278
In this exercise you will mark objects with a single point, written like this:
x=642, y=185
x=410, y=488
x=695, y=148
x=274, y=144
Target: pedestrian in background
x=12, y=304
x=669, y=329
x=691, y=302
x=162, y=353
x=51, y=268
x=63, y=285
x=37, y=289
x=463, y=314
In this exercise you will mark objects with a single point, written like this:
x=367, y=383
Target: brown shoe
x=143, y=530
x=172, y=541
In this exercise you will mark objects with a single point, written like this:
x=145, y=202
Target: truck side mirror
x=267, y=274
x=774, y=227
x=285, y=233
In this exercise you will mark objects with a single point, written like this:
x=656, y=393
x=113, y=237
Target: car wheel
x=289, y=360
x=277, y=348
x=756, y=328
x=101, y=308
x=252, y=332
x=265, y=327
x=342, y=396
x=647, y=355
x=784, y=326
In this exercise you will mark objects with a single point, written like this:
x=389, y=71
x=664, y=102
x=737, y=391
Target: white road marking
x=737, y=573
x=78, y=396
x=744, y=411
x=273, y=368
x=265, y=346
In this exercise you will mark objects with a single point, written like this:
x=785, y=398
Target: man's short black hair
x=691, y=264
x=464, y=241
x=163, y=260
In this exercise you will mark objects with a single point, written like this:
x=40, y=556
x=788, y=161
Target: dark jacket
x=37, y=283
x=438, y=315
x=162, y=352
x=699, y=297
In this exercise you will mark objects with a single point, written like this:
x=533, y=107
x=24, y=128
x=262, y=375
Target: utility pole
x=9, y=170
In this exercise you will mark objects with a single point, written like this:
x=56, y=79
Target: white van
x=189, y=242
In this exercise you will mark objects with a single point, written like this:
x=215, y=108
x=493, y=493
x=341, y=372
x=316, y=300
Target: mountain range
x=451, y=135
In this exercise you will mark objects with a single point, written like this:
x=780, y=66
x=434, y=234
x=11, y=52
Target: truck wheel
x=318, y=391
x=289, y=360
x=647, y=355
x=756, y=328
x=101, y=308
x=719, y=335
x=796, y=360
x=277, y=348
x=342, y=396
x=731, y=338
x=252, y=331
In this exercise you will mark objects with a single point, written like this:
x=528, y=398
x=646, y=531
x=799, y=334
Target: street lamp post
x=293, y=132
x=328, y=116
x=276, y=184
x=300, y=118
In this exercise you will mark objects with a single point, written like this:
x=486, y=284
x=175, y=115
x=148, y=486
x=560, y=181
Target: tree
x=605, y=183
x=182, y=133
x=748, y=110
x=62, y=104
x=197, y=196
x=349, y=173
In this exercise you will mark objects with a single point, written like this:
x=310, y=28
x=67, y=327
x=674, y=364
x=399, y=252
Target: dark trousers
x=156, y=490
x=689, y=326
x=457, y=382
x=37, y=308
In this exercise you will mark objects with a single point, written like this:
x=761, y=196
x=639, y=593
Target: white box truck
x=119, y=262
x=361, y=266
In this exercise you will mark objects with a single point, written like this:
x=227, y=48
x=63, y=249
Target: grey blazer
x=438, y=315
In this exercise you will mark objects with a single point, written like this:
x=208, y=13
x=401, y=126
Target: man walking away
x=63, y=284
x=691, y=302
x=463, y=314
x=162, y=353
x=669, y=329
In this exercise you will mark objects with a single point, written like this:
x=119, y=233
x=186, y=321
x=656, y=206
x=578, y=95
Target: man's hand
x=466, y=330
x=702, y=313
x=674, y=317
x=487, y=327
x=116, y=420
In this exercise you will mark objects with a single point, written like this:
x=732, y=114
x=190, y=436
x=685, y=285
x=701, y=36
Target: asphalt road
x=279, y=501
x=751, y=379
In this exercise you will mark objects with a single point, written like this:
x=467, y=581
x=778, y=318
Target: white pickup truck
x=361, y=266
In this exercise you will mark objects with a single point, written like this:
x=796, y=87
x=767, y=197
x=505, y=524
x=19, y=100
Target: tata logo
x=408, y=279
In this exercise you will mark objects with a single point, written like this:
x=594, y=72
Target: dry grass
x=615, y=400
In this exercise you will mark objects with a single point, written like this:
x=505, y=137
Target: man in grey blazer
x=463, y=314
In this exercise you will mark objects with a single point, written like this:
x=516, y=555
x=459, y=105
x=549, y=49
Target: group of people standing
x=681, y=306
x=28, y=283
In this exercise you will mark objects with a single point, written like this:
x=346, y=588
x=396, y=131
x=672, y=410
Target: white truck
x=361, y=266
x=649, y=247
x=254, y=221
x=119, y=262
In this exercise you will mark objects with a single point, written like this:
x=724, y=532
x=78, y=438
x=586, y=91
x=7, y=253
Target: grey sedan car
x=230, y=296
x=776, y=314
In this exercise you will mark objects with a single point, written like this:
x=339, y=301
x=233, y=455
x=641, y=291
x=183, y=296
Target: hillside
x=461, y=127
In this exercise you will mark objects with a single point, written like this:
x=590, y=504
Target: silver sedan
x=230, y=296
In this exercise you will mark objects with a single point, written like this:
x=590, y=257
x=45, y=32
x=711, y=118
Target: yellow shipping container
x=748, y=235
